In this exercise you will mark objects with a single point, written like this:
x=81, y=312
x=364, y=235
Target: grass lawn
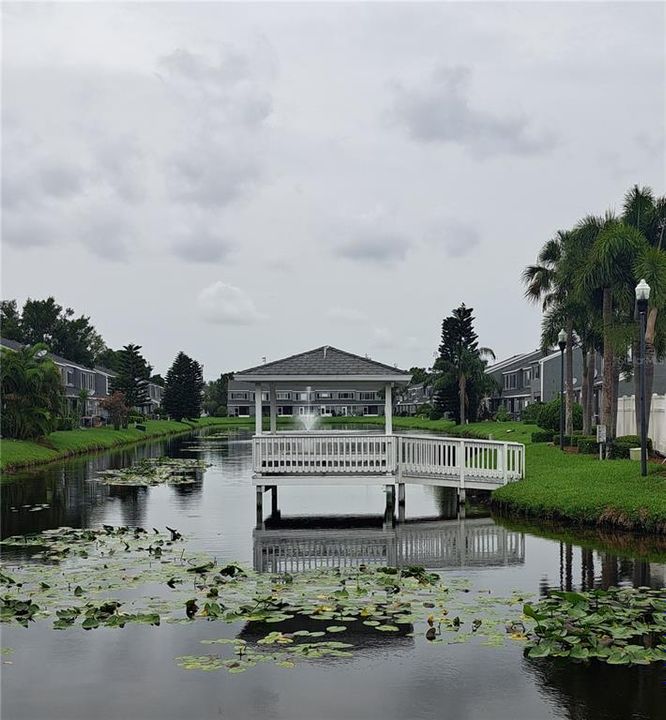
x=564, y=486
x=21, y=453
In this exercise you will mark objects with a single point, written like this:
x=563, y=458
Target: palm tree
x=648, y=215
x=551, y=283
x=614, y=250
x=31, y=392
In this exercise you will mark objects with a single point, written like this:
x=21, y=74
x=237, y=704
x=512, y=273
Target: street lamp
x=642, y=297
x=562, y=342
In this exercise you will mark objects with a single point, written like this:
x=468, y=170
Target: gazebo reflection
x=294, y=544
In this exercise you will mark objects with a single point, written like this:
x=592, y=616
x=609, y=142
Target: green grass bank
x=564, y=487
x=16, y=454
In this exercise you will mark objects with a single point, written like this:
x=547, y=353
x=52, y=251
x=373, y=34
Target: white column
x=388, y=409
x=257, y=409
x=273, y=407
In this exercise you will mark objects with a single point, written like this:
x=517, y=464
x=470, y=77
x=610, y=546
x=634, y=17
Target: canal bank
x=18, y=454
x=567, y=487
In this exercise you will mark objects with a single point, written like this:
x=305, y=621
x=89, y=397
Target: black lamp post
x=642, y=297
x=562, y=342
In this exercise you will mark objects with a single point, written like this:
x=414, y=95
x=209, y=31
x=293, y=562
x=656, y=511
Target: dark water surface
x=130, y=673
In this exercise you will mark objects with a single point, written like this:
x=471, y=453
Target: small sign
x=601, y=433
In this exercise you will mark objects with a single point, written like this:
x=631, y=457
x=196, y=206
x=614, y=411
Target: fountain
x=309, y=419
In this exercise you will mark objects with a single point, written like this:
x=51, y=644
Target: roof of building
x=520, y=357
x=325, y=361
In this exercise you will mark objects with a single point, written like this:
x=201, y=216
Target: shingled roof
x=324, y=362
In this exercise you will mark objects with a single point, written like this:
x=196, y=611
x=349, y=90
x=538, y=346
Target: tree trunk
x=607, y=389
x=585, y=391
x=568, y=374
x=591, y=370
x=462, y=393
x=616, y=385
x=650, y=332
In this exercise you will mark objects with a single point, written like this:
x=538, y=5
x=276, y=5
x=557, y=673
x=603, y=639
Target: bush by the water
x=549, y=416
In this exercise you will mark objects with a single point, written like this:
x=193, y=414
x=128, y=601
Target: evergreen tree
x=183, y=388
x=133, y=375
x=461, y=366
x=215, y=395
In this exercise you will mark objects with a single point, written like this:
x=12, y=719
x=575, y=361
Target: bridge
x=445, y=544
x=349, y=458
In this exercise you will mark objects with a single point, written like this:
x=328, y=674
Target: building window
x=537, y=371
x=371, y=410
x=324, y=395
x=239, y=396
x=243, y=411
x=87, y=381
x=527, y=377
x=69, y=377
x=285, y=410
x=303, y=396
x=283, y=395
x=367, y=395
x=345, y=396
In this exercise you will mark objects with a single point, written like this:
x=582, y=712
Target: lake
x=130, y=673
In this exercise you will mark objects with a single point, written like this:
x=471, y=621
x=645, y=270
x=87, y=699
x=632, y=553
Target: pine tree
x=461, y=366
x=132, y=376
x=183, y=388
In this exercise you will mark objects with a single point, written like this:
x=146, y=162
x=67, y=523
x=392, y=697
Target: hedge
x=619, y=448
x=543, y=436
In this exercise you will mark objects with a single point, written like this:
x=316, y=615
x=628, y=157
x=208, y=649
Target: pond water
x=130, y=673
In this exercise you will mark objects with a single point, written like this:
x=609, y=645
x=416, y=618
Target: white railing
x=408, y=455
x=423, y=455
x=297, y=454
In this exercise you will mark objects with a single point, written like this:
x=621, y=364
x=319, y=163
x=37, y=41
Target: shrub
x=569, y=440
x=549, y=416
x=587, y=444
x=531, y=413
x=542, y=436
x=220, y=411
x=619, y=448
x=135, y=417
x=502, y=415
x=67, y=422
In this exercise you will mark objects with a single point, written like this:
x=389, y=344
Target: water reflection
x=305, y=543
x=389, y=677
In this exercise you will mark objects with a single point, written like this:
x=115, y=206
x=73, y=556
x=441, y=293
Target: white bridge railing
x=402, y=455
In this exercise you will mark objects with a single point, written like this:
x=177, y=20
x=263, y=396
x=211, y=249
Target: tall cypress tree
x=183, y=388
x=132, y=375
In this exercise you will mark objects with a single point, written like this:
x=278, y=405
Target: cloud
x=107, y=232
x=439, y=111
x=457, y=239
x=382, y=338
x=373, y=237
x=224, y=304
x=346, y=314
x=202, y=245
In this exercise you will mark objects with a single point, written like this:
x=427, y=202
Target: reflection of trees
x=597, y=690
x=132, y=503
x=195, y=488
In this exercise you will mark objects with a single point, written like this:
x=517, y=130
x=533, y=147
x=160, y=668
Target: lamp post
x=562, y=342
x=642, y=297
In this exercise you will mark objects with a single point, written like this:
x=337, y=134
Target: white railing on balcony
x=295, y=454
x=410, y=456
x=423, y=455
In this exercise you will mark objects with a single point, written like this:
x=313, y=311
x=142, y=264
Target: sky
x=249, y=181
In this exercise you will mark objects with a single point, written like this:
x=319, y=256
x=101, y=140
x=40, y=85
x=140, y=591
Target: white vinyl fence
x=626, y=420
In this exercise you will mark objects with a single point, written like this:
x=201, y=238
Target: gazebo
x=334, y=456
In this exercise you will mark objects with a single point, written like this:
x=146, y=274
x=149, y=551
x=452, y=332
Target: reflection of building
x=290, y=546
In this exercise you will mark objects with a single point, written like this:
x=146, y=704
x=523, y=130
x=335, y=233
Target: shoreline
x=17, y=455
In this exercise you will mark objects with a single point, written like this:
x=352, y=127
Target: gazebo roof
x=323, y=363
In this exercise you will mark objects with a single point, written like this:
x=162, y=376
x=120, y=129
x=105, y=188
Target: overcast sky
x=249, y=180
